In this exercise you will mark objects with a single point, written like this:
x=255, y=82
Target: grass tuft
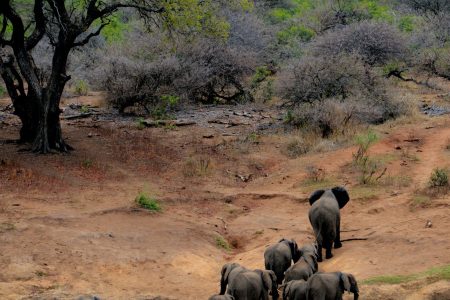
x=222, y=243
x=147, y=202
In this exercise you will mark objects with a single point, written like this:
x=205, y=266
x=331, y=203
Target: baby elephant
x=305, y=267
x=221, y=297
x=254, y=285
x=331, y=286
x=325, y=218
x=278, y=257
x=295, y=290
x=228, y=273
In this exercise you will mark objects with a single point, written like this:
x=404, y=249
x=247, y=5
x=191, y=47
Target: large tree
x=68, y=24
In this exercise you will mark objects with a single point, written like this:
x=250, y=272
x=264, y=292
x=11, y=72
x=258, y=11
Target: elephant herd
x=294, y=270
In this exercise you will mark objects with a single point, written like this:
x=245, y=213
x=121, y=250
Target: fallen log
x=156, y=123
x=354, y=239
x=77, y=116
x=228, y=123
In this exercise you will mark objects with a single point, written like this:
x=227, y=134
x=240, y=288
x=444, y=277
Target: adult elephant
x=325, y=218
x=228, y=273
x=295, y=290
x=254, y=285
x=279, y=257
x=331, y=286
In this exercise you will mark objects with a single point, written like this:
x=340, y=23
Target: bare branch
x=91, y=35
x=3, y=41
x=40, y=22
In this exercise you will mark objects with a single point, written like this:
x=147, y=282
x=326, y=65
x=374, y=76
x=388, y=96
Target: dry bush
x=297, y=147
x=315, y=174
x=313, y=78
x=214, y=72
x=204, y=70
x=376, y=43
x=129, y=82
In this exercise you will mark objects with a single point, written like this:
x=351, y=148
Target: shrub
x=81, y=88
x=315, y=174
x=147, y=202
x=203, y=70
x=439, y=178
x=364, y=141
x=367, y=166
x=376, y=43
x=222, y=243
x=215, y=73
x=129, y=82
x=297, y=147
x=314, y=78
x=323, y=117
x=196, y=167
x=140, y=123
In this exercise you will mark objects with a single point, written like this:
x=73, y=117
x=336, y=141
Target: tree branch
x=94, y=12
x=60, y=12
x=90, y=35
x=39, y=29
x=3, y=41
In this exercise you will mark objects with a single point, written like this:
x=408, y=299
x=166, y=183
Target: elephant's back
x=278, y=252
x=325, y=206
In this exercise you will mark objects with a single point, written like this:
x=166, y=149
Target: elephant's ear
x=353, y=283
x=226, y=269
x=341, y=195
x=296, y=254
x=344, y=281
x=315, y=196
x=286, y=290
x=267, y=281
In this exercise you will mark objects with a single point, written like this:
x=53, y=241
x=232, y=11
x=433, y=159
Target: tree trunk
x=48, y=133
x=27, y=111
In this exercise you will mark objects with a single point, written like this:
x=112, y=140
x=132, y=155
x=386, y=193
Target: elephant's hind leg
x=319, y=251
x=337, y=240
x=328, y=246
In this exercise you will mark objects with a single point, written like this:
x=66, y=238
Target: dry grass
x=197, y=166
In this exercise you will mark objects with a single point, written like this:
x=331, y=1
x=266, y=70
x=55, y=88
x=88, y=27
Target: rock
x=428, y=224
x=375, y=210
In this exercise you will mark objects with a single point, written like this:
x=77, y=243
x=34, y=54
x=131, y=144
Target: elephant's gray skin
x=295, y=290
x=305, y=267
x=331, y=286
x=254, y=285
x=325, y=218
x=221, y=297
x=228, y=273
x=278, y=257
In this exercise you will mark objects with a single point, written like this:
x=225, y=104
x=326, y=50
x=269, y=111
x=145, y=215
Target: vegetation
x=439, y=178
x=370, y=169
x=147, y=202
x=222, y=243
x=431, y=275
